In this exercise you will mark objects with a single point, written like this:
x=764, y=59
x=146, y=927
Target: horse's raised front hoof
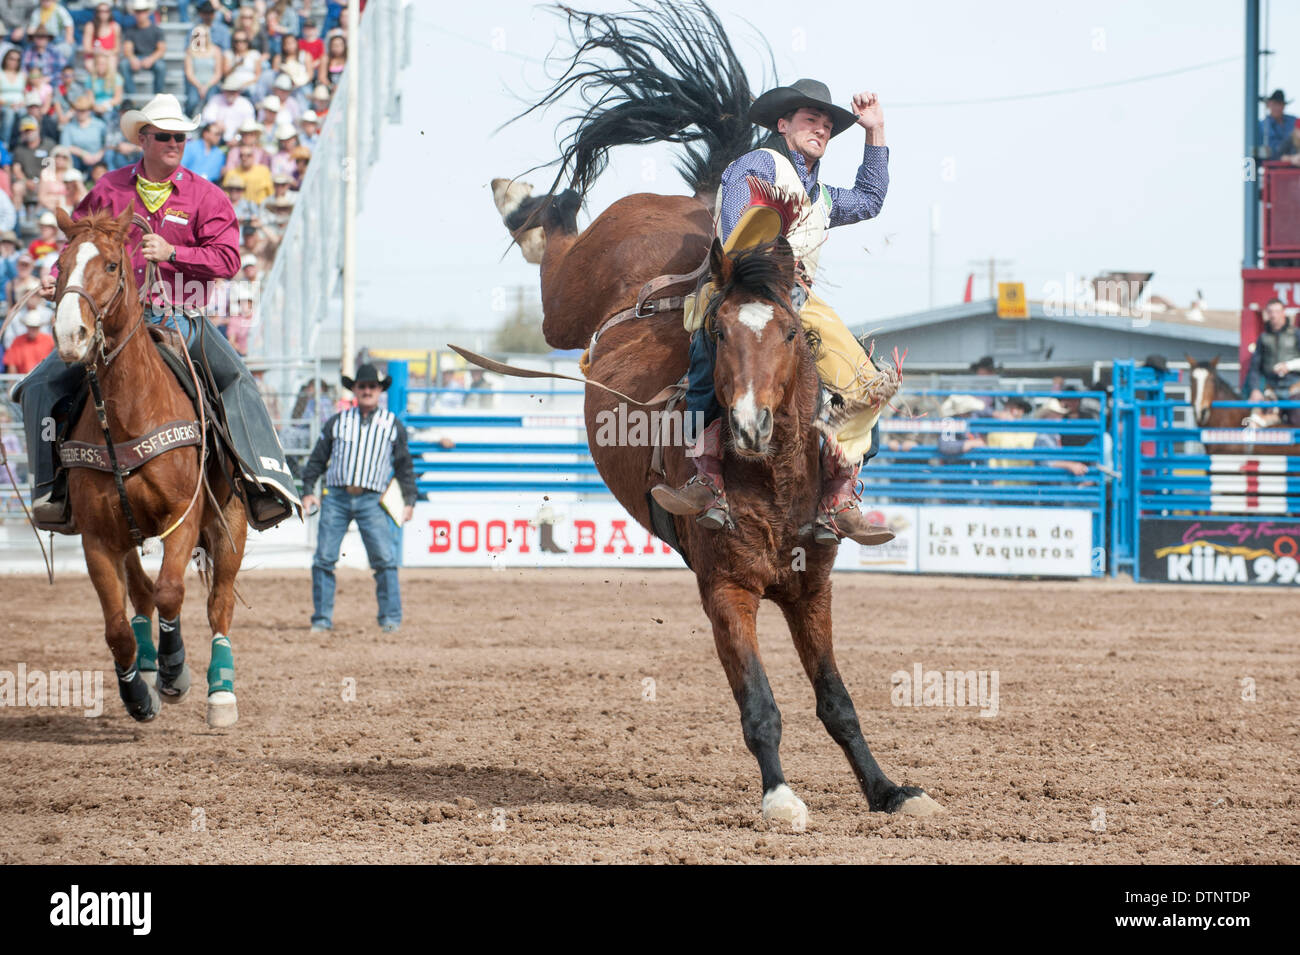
x=782, y=805
x=173, y=691
x=911, y=801
x=221, y=709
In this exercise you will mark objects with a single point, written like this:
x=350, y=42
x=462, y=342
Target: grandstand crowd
x=258, y=77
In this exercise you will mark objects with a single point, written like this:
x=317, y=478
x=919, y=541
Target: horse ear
x=719, y=264
x=1214, y=362
x=1191, y=362
x=64, y=220
x=786, y=254
x=122, y=224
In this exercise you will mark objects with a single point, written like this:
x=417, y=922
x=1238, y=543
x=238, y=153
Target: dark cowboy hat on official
x=783, y=100
x=985, y=363
x=1277, y=97
x=367, y=374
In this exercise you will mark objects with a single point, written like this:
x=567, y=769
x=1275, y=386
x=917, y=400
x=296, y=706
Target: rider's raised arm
x=867, y=196
x=215, y=252
x=735, y=189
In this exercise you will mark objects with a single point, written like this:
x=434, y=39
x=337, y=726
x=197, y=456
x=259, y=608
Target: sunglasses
x=365, y=386
x=168, y=137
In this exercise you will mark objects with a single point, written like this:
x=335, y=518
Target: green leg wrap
x=221, y=670
x=146, y=654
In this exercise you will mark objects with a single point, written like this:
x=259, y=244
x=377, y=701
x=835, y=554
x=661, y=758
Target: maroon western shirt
x=197, y=219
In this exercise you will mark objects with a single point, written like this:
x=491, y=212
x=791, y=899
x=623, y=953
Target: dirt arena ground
x=507, y=722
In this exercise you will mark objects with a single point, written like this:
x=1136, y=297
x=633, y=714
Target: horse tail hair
x=668, y=74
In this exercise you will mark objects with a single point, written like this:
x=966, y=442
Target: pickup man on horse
x=803, y=120
x=193, y=244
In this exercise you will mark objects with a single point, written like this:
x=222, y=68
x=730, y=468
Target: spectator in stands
x=86, y=135
x=74, y=182
x=119, y=150
x=1075, y=411
x=53, y=20
x=8, y=218
x=290, y=106
x=248, y=213
x=1054, y=410
x=105, y=84
x=50, y=191
x=204, y=155
x=218, y=31
x=311, y=44
x=48, y=240
x=956, y=440
x=243, y=58
x=205, y=64
x=66, y=91
x=103, y=34
x=240, y=321
x=30, y=349
x=30, y=157
x=250, y=134
x=1013, y=409
x=231, y=108
x=314, y=406
x=43, y=55
x=250, y=273
x=8, y=264
x=301, y=159
x=282, y=22
x=24, y=281
x=246, y=22
x=40, y=91
x=143, y=48
x=309, y=129
x=282, y=163
x=1275, y=129
x=292, y=62
x=269, y=110
x=36, y=108
x=13, y=87
x=1274, y=367
x=97, y=171
x=255, y=176
x=359, y=453
x=336, y=58
x=320, y=102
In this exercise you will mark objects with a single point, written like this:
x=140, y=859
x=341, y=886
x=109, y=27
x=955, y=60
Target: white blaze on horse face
x=755, y=316
x=1199, y=377
x=67, y=315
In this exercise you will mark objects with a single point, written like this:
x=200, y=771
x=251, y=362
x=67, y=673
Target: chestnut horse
x=765, y=376
x=98, y=322
x=1207, y=388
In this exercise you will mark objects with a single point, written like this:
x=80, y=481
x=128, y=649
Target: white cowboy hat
x=1052, y=406
x=251, y=126
x=285, y=130
x=296, y=72
x=284, y=82
x=163, y=111
x=237, y=80
x=47, y=218
x=955, y=405
x=34, y=318
x=272, y=102
x=309, y=117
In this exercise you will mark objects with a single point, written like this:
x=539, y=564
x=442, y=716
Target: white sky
x=1145, y=175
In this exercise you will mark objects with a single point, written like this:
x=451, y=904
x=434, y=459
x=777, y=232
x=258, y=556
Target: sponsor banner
x=1012, y=541
x=898, y=556
x=530, y=532
x=1247, y=436
x=1220, y=551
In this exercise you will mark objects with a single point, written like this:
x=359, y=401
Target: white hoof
x=921, y=805
x=782, y=805
x=221, y=709
x=149, y=676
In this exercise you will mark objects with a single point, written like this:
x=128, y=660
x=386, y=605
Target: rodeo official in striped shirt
x=359, y=452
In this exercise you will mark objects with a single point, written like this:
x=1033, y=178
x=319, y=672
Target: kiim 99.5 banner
x=1220, y=551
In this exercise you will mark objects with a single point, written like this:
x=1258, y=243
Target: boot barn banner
x=599, y=533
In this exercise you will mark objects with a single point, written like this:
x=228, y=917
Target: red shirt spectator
x=30, y=349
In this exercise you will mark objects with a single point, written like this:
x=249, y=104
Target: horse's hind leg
x=222, y=708
x=140, y=589
x=732, y=611
x=809, y=618
x=169, y=595
x=106, y=574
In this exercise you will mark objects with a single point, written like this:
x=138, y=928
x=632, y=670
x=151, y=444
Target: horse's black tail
x=670, y=75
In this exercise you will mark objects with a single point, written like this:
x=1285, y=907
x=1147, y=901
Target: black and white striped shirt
x=362, y=450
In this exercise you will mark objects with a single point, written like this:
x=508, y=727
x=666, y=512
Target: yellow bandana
x=152, y=194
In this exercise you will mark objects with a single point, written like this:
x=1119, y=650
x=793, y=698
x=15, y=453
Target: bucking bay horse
x=145, y=479
x=765, y=376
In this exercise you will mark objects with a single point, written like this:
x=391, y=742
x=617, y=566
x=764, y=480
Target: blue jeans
x=338, y=509
x=159, y=71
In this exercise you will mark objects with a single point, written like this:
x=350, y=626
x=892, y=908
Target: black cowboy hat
x=783, y=100
x=985, y=362
x=1277, y=97
x=367, y=374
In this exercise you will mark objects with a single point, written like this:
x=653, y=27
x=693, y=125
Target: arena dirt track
x=522, y=691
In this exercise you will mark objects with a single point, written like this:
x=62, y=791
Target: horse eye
x=790, y=335
x=111, y=267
